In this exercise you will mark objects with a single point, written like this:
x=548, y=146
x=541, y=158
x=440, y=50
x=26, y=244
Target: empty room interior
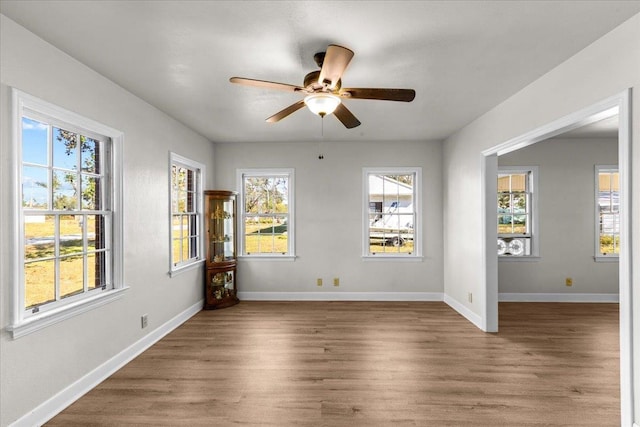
x=286, y=213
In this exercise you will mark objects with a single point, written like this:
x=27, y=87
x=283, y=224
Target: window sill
x=244, y=258
x=531, y=258
x=41, y=321
x=393, y=258
x=179, y=270
x=606, y=258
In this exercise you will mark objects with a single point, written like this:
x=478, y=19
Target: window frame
x=416, y=255
x=290, y=255
x=534, y=233
x=199, y=170
x=25, y=321
x=599, y=257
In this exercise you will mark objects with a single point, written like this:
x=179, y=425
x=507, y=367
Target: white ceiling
x=461, y=57
x=602, y=129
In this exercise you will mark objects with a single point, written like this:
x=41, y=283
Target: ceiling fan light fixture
x=322, y=104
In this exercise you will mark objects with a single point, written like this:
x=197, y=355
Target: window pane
x=71, y=276
x=504, y=203
x=64, y=149
x=513, y=203
x=39, y=283
x=64, y=190
x=95, y=232
x=184, y=226
x=35, y=187
x=520, y=224
x=185, y=249
x=504, y=183
x=519, y=203
x=615, y=181
x=608, y=200
x=609, y=244
x=96, y=270
x=176, y=226
x=90, y=155
x=34, y=142
x=604, y=182
x=176, y=251
x=391, y=210
x=90, y=188
x=193, y=247
x=39, y=237
x=71, y=234
x=505, y=225
x=518, y=182
x=268, y=235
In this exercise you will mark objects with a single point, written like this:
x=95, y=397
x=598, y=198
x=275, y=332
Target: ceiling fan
x=323, y=89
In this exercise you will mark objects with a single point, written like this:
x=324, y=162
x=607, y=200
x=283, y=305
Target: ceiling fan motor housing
x=311, y=82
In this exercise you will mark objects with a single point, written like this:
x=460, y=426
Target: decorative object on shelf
x=220, y=284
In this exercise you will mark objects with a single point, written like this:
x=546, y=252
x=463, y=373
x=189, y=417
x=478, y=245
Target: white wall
x=35, y=367
x=605, y=68
x=328, y=208
x=566, y=206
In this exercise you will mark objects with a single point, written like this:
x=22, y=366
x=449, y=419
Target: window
x=517, y=235
x=391, y=212
x=267, y=217
x=69, y=252
x=607, y=212
x=186, y=212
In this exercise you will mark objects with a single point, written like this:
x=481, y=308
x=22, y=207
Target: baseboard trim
x=340, y=296
x=558, y=297
x=53, y=406
x=464, y=311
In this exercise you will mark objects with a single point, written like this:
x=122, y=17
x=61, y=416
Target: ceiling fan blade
x=405, y=95
x=284, y=113
x=266, y=84
x=335, y=62
x=347, y=118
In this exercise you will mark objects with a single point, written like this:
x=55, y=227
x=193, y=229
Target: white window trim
x=175, y=158
x=20, y=323
x=535, y=229
x=289, y=172
x=598, y=257
x=417, y=224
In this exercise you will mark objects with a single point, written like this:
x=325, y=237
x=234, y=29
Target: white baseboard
x=558, y=297
x=340, y=296
x=464, y=311
x=53, y=406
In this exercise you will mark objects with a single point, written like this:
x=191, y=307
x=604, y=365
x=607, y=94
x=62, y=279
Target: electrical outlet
x=319, y=282
x=144, y=321
x=568, y=281
x=470, y=296
x=336, y=281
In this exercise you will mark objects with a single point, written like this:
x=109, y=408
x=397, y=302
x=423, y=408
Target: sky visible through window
x=35, y=151
x=36, y=161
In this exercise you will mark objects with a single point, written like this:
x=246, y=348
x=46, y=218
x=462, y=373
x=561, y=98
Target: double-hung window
x=391, y=212
x=266, y=212
x=186, y=178
x=69, y=217
x=607, y=212
x=517, y=231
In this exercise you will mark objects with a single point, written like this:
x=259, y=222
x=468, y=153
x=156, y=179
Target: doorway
x=618, y=104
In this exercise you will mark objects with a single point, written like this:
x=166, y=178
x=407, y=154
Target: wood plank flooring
x=369, y=364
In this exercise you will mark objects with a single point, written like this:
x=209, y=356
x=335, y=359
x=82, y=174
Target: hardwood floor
x=369, y=364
